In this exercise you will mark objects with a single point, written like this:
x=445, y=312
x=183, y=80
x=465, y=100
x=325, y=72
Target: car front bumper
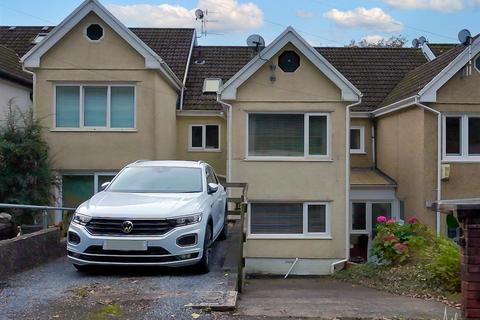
x=161, y=250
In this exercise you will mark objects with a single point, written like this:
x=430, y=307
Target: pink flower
x=412, y=220
x=391, y=221
x=400, y=247
x=381, y=219
x=390, y=237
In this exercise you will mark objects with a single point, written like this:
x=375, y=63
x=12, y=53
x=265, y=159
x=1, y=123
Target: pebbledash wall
x=306, y=90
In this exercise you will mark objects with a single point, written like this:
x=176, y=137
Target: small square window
x=204, y=137
x=357, y=139
x=211, y=85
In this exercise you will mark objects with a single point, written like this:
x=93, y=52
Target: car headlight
x=183, y=221
x=81, y=219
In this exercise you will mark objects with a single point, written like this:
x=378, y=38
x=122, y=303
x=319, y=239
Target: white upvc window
x=357, y=139
x=289, y=220
x=288, y=136
x=204, y=137
x=364, y=214
x=92, y=107
x=461, y=137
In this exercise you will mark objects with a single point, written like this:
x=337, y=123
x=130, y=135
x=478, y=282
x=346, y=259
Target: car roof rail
x=201, y=162
x=141, y=160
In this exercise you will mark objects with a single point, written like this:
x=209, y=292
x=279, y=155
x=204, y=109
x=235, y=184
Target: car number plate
x=125, y=245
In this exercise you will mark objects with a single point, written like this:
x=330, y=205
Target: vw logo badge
x=127, y=226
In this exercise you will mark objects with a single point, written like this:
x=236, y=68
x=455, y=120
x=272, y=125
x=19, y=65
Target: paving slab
x=326, y=298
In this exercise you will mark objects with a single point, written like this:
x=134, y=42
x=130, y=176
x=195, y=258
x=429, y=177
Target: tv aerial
x=256, y=41
x=422, y=40
x=199, y=14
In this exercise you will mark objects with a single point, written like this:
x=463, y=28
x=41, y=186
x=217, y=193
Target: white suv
x=152, y=213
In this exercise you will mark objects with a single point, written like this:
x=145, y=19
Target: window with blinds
x=287, y=135
x=292, y=219
x=95, y=106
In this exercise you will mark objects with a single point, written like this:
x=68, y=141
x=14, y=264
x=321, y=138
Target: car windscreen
x=158, y=180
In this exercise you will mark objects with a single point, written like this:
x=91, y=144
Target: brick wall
x=470, y=263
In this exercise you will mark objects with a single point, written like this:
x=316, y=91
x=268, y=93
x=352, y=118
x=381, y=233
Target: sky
x=230, y=22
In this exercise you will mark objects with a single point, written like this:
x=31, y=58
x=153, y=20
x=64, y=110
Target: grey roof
x=374, y=71
x=11, y=69
x=171, y=44
x=419, y=77
x=440, y=48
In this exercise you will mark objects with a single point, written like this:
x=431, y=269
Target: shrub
x=25, y=173
x=444, y=265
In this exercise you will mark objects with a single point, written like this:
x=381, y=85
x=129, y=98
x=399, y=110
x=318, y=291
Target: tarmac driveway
x=57, y=291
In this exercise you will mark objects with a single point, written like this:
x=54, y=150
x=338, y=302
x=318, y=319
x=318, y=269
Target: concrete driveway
x=57, y=291
x=325, y=298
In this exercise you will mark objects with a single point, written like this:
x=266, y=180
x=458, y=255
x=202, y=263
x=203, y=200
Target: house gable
x=290, y=36
x=307, y=83
x=461, y=89
x=152, y=61
x=76, y=51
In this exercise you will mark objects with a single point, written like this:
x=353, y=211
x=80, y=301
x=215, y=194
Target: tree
x=25, y=171
x=392, y=42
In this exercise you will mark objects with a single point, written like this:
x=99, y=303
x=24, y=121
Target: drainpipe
x=229, y=136
x=439, y=158
x=347, y=177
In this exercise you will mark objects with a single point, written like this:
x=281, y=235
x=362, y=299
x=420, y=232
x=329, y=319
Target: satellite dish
x=464, y=36
x=415, y=43
x=255, y=41
x=199, y=14
x=422, y=40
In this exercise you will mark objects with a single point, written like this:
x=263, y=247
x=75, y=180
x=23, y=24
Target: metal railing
x=44, y=210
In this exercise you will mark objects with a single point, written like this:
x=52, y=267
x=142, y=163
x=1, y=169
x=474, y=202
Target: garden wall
x=30, y=250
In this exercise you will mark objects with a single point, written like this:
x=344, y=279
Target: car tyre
x=203, y=265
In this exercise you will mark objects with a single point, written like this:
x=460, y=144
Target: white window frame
x=306, y=155
x=204, y=148
x=305, y=235
x=82, y=126
x=361, y=150
x=368, y=215
x=464, y=156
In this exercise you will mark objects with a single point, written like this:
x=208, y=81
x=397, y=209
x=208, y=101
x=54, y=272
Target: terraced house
x=327, y=138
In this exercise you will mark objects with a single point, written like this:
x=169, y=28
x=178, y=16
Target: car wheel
x=203, y=265
x=224, y=233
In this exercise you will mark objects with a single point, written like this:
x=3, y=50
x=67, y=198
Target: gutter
x=347, y=177
x=186, y=68
x=415, y=101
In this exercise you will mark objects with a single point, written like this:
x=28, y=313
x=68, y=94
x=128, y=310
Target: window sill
x=357, y=152
x=93, y=130
x=204, y=150
x=288, y=159
x=473, y=159
x=288, y=237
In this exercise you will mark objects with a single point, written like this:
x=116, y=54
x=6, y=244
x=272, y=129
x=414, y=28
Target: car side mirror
x=105, y=185
x=212, y=188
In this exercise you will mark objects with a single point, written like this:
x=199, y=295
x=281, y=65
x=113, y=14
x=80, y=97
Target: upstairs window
x=461, y=137
x=204, y=137
x=357, y=139
x=99, y=106
x=288, y=135
x=94, y=32
x=289, y=61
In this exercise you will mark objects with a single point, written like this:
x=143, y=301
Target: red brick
x=473, y=242
x=470, y=286
x=471, y=251
x=471, y=295
x=472, y=313
x=470, y=259
x=472, y=233
x=470, y=277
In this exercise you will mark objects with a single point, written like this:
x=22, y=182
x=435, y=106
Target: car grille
x=150, y=251
x=130, y=258
x=140, y=227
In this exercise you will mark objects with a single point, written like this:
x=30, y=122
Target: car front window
x=158, y=180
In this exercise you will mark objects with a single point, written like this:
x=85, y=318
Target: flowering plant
x=394, y=241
